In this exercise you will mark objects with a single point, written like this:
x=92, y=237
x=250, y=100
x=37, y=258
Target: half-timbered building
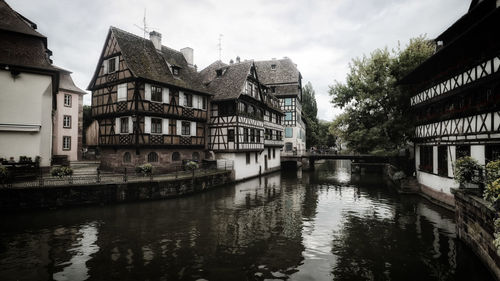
x=149, y=102
x=28, y=88
x=455, y=96
x=245, y=121
x=284, y=80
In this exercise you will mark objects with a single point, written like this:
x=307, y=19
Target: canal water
x=321, y=225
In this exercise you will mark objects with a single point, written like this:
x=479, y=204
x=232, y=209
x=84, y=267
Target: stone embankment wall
x=109, y=193
x=475, y=226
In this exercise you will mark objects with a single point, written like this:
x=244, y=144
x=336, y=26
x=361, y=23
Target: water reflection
x=325, y=225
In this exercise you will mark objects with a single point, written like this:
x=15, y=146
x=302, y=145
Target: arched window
x=152, y=157
x=126, y=157
x=196, y=156
x=176, y=156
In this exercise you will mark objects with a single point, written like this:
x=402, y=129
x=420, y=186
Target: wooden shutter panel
x=122, y=92
x=147, y=91
x=117, y=125
x=182, y=99
x=164, y=126
x=117, y=63
x=179, y=127
x=147, y=125
x=130, y=125
x=165, y=97
x=105, y=66
x=193, y=128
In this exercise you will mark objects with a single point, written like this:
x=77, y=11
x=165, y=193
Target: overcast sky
x=321, y=37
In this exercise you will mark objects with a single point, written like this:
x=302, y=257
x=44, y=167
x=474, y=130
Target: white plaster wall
x=26, y=100
x=451, y=160
x=477, y=152
x=59, y=131
x=272, y=163
x=435, y=159
x=436, y=182
x=243, y=170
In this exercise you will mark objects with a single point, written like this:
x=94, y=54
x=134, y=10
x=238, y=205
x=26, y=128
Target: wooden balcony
x=151, y=140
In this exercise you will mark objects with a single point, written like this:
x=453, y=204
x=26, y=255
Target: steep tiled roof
x=208, y=73
x=230, y=84
x=66, y=82
x=10, y=20
x=286, y=71
x=146, y=62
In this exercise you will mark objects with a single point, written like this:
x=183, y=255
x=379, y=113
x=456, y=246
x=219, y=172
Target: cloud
x=320, y=36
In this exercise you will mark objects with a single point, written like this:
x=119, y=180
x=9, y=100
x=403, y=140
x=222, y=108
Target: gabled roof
x=230, y=84
x=144, y=61
x=12, y=21
x=285, y=71
x=66, y=82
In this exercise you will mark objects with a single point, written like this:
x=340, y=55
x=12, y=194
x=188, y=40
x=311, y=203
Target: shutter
x=117, y=63
x=179, y=127
x=122, y=92
x=105, y=67
x=165, y=95
x=193, y=129
x=130, y=125
x=182, y=99
x=147, y=91
x=164, y=126
x=147, y=125
x=117, y=125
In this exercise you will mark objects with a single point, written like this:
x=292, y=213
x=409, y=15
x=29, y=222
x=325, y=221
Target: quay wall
x=12, y=199
x=475, y=220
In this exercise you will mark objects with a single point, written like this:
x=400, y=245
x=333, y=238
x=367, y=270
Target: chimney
x=231, y=61
x=155, y=37
x=238, y=59
x=188, y=55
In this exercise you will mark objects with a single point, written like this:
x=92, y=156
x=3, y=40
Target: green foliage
x=317, y=132
x=309, y=106
x=375, y=108
x=87, y=120
x=492, y=172
x=496, y=242
x=467, y=170
x=61, y=171
x=492, y=181
x=4, y=173
x=492, y=191
x=144, y=169
x=191, y=165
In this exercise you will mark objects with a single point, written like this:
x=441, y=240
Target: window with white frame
x=188, y=100
x=156, y=125
x=288, y=132
x=124, y=125
x=186, y=128
x=67, y=100
x=288, y=101
x=288, y=116
x=67, y=121
x=112, y=64
x=66, y=143
x=156, y=93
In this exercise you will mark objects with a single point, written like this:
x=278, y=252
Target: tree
x=375, y=117
x=87, y=120
x=310, y=111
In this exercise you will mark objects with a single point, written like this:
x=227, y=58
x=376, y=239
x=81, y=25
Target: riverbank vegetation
x=376, y=117
x=318, y=132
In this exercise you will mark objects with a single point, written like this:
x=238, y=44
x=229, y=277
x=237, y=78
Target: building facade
x=245, y=121
x=28, y=87
x=149, y=102
x=455, y=96
x=284, y=81
x=68, y=119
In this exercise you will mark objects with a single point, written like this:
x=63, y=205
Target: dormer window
x=175, y=70
x=219, y=72
x=273, y=66
x=273, y=89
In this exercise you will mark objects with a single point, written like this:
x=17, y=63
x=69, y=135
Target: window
x=152, y=157
x=257, y=136
x=269, y=152
x=218, y=72
x=230, y=135
x=279, y=135
x=443, y=160
x=273, y=89
x=127, y=158
x=176, y=156
x=288, y=116
x=204, y=102
x=245, y=135
x=112, y=65
x=492, y=152
x=252, y=135
x=256, y=158
x=175, y=70
x=196, y=156
x=273, y=66
x=156, y=126
x=248, y=157
x=288, y=133
x=274, y=153
x=188, y=100
x=67, y=121
x=288, y=101
x=426, y=158
x=124, y=125
x=67, y=100
x=462, y=151
x=66, y=143
x=186, y=128
x=156, y=94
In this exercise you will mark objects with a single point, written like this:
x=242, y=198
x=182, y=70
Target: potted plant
x=468, y=172
x=61, y=171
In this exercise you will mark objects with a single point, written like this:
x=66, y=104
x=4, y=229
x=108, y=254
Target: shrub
x=496, y=242
x=191, y=165
x=145, y=169
x=4, y=173
x=61, y=171
x=467, y=170
x=492, y=172
x=399, y=175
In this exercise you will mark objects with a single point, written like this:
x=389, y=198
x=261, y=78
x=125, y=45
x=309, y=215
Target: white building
x=285, y=82
x=28, y=86
x=245, y=121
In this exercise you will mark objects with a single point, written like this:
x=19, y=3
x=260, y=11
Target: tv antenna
x=220, y=46
x=145, y=28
